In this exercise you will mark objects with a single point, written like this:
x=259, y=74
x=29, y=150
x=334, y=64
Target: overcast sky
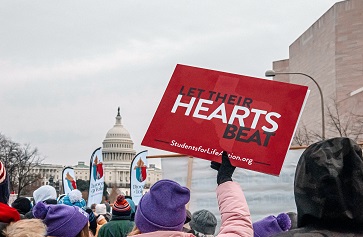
x=65, y=66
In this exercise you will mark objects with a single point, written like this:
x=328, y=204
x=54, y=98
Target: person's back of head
x=73, y=198
x=93, y=207
x=133, y=207
x=100, y=209
x=162, y=208
x=26, y=228
x=62, y=220
x=45, y=192
x=22, y=205
x=121, y=207
x=328, y=184
x=204, y=222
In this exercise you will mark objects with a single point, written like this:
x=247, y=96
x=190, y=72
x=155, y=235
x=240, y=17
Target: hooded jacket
x=235, y=214
x=328, y=190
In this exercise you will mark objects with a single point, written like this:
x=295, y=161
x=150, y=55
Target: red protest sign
x=204, y=112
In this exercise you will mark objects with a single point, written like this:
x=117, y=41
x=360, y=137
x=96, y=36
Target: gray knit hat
x=204, y=222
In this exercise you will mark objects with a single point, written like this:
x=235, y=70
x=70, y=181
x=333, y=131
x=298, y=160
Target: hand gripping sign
x=204, y=112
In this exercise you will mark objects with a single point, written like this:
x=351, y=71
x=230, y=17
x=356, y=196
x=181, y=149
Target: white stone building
x=117, y=152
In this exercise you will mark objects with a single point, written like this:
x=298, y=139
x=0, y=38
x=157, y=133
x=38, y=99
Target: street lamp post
x=272, y=73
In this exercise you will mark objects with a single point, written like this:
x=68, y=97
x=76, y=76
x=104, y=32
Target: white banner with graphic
x=265, y=194
x=68, y=180
x=97, y=178
x=138, y=175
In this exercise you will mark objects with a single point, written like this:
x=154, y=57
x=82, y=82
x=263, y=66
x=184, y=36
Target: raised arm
x=235, y=214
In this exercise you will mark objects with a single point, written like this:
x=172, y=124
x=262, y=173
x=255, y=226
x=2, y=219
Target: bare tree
x=303, y=136
x=347, y=124
x=26, y=159
x=19, y=162
x=8, y=152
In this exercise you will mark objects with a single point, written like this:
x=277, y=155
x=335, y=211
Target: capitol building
x=117, y=152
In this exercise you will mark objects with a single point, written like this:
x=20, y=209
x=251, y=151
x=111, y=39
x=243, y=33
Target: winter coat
x=118, y=226
x=329, y=190
x=235, y=214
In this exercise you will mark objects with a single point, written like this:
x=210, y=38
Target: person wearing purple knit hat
x=62, y=220
x=168, y=199
x=161, y=212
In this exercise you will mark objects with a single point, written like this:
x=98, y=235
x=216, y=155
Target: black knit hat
x=22, y=204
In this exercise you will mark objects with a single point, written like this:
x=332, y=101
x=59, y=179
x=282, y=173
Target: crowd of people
x=328, y=191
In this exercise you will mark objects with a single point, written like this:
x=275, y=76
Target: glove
x=225, y=170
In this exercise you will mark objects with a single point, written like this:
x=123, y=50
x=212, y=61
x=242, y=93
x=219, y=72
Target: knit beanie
x=8, y=214
x=44, y=192
x=61, y=220
x=271, y=225
x=204, y=222
x=4, y=185
x=101, y=209
x=73, y=198
x=133, y=207
x=131, y=203
x=163, y=207
x=121, y=207
x=22, y=205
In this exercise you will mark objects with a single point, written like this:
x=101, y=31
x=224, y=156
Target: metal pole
x=321, y=99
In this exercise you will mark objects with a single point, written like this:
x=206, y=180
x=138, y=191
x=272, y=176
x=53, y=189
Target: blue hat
x=73, y=198
x=131, y=203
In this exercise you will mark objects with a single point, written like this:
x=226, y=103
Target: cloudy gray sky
x=65, y=66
